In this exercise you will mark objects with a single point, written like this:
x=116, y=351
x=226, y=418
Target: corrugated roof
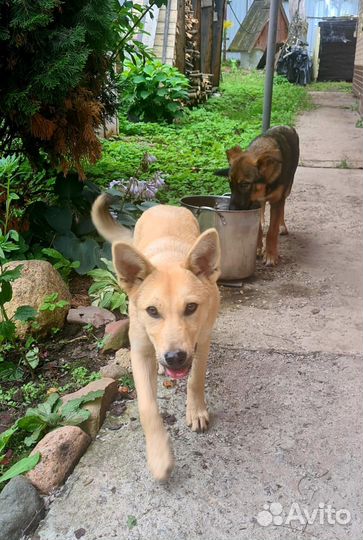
x=251, y=27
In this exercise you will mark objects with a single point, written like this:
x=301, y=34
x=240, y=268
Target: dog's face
x=172, y=304
x=248, y=176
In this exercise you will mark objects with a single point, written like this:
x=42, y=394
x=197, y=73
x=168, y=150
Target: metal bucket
x=237, y=229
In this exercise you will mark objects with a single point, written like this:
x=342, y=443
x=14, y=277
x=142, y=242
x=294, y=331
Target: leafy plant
x=64, y=266
x=66, y=225
x=190, y=150
x=105, y=291
x=153, y=91
x=127, y=380
x=51, y=303
x=37, y=421
x=49, y=415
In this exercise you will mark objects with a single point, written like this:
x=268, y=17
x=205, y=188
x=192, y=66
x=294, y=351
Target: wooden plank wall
x=180, y=37
x=218, y=19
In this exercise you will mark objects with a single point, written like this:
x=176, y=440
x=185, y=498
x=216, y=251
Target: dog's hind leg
x=272, y=238
x=197, y=414
x=283, y=228
x=262, y=213
x=158, y=448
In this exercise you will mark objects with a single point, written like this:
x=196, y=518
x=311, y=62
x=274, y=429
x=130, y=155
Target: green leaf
x=7, y=331
x=31, y=421
x=21, y=467
x=75, y=404
x=25, y=313
x=76, y=417
x=11, y=275
x=131, y=522
x=54, y=401
x=34, y=437
x=60, y=219
x=32, y=357
x=53, y=253
x=6, y=436
x=8, y=370
x=6, y=292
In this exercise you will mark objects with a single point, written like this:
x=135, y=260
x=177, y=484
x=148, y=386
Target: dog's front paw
x=283, y=230
x=160, y=457
x=270, y=259
x=260, y=251
x=197, y=418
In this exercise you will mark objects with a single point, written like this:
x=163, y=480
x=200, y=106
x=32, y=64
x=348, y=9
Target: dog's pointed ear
x=131, y=266
x=234, y=153
x=204, y=257
x=269, y=165
x=222, y=172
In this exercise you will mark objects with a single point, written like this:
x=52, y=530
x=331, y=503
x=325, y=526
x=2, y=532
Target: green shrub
x=153, y=91
x=105, y=290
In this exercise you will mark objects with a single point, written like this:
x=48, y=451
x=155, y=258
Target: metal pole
x=270, y=63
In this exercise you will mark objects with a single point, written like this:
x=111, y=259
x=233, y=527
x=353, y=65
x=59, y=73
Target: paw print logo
x=270, y=515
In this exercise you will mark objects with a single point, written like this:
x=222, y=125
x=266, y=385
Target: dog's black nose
x=175, y=359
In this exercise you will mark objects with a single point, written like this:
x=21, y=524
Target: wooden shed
x=251, y=38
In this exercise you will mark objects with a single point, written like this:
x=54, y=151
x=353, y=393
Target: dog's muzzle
x=176, y=363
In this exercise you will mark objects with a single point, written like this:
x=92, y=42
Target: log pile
x=200, y=83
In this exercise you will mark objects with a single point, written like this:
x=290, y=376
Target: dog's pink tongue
x=176, y=373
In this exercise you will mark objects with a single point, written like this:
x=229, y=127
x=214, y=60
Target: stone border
x=21, y=501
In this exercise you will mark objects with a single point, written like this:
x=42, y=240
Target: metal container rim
x=182, y=201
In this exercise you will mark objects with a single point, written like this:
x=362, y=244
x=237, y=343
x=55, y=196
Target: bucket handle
x=200, y=208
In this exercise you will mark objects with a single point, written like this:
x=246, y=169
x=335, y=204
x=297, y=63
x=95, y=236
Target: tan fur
x=168, y=266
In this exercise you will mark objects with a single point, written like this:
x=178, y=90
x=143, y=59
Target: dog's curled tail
x=106, y=225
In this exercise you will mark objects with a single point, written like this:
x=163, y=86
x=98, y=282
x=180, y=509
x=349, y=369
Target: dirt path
x=284, y=388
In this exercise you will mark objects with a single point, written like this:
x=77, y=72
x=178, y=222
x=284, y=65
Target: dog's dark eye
x=190, y=308
x=153, y=312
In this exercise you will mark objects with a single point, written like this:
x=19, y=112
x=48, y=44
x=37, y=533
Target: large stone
x=118, y=366
x=60, y=451
x=21, y=509
x=98, y=407
x=38, y=279
x=93, y=315
x=116, y=335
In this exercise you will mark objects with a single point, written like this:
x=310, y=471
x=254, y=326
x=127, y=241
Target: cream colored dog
x=170, y=273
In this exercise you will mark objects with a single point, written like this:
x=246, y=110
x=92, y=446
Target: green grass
x=191, y=149
x=339, y=86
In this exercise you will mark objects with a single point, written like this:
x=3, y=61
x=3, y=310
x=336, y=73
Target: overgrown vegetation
x=331, y=86
x=57, y=74
x=189, y=150
x=153, y=91
x=37, y=421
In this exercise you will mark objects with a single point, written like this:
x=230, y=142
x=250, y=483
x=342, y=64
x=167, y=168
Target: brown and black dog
x=264, y=172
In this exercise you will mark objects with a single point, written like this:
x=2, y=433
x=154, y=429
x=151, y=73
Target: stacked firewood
x=200, y=83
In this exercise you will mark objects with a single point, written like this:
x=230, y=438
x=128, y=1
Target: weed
x=331, y=86
x=343, y=164
x=64, y=266
x=127, y=380
x=51, y=303
x=105, y=290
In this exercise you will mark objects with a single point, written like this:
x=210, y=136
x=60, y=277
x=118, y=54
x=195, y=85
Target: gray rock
x=90, y=315
x=21, y=509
